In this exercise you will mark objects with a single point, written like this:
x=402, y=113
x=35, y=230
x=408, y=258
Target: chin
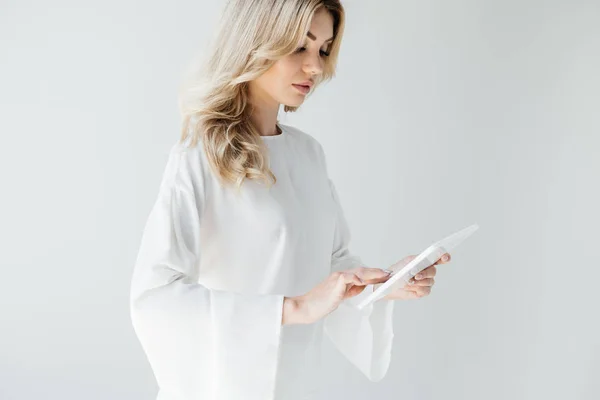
x=294, y=102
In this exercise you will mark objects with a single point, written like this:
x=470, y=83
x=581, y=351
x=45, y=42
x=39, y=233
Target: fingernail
x=446, y=258
x=387, y=271
x=419, y=276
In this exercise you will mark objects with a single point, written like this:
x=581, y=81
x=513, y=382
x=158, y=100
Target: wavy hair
x=251, y=36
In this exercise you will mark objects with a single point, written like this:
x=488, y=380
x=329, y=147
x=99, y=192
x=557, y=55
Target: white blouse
x=214, y=266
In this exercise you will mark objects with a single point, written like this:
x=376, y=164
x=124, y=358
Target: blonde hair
x=252, y=35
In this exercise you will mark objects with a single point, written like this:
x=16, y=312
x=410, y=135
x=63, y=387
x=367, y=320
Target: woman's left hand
x=420, y=285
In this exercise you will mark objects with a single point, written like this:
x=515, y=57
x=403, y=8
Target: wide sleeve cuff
x=364, y=337
x=205, y=343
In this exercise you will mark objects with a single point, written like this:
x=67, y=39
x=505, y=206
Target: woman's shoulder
x=185, y=146
x=186, y=164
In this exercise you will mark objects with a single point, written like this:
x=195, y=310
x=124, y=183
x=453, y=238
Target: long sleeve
x=200, y=343
x=365, y=336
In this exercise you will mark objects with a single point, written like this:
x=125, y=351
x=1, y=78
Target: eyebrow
x=313, y=37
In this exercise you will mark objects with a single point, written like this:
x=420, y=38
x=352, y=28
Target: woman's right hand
x=327, y=295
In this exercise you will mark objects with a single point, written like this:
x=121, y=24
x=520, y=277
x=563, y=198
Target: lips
x=308, y=83
x=304, y=89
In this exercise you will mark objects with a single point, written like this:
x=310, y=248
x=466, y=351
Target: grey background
x=442, y=114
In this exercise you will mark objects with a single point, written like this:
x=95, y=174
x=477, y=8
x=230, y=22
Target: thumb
x=345, y=279
x=351, y=278
x=374, y=275
x=349, y=285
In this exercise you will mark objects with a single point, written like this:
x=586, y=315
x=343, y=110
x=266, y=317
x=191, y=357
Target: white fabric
x=214, y=266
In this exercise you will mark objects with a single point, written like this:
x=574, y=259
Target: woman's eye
x=322, y=52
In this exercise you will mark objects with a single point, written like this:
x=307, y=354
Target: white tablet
x=427, y=257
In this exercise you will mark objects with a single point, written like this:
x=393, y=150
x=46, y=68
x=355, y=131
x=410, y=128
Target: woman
x=244, y=261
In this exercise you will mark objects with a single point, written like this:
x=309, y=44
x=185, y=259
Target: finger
x=428, y=272
x=344, y=279
x=349, y=285
x=351, y=278
x=443, y=259
x=422, y=282
x=411, y=294
x=372, y=275
x=420, y=290
x=374, y=281
x=354, y=291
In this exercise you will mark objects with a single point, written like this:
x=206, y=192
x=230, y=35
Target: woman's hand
x=420, y=285
x=327, y=295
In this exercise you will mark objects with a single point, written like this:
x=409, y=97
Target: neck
x=264, y=116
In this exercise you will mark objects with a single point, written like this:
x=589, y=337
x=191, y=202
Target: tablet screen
x=426, y=258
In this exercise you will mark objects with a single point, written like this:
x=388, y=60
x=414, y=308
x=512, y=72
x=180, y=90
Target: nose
x=313, y=64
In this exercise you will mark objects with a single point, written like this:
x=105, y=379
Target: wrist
x=293, y=311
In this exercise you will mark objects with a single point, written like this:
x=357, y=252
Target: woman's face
x=278, y=84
